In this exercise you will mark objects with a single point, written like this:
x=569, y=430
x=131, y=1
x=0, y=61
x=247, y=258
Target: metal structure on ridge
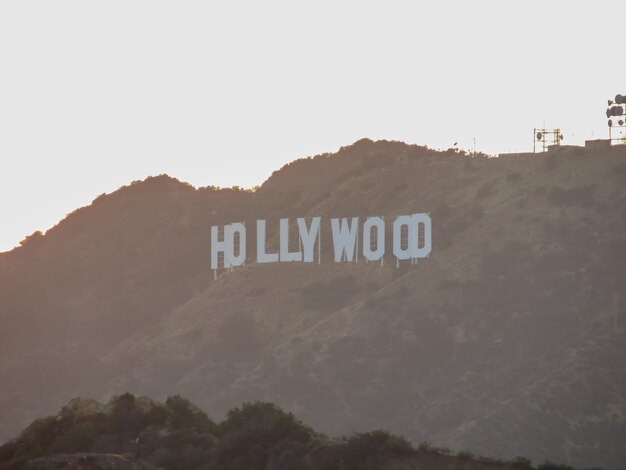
x=546, y=138
x=616, y=114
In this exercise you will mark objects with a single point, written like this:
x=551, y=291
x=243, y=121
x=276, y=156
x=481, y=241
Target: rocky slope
x=508, y=340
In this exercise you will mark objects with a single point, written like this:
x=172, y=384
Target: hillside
x=508, y=340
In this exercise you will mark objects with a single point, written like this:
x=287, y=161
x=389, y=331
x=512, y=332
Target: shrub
x=187, y=415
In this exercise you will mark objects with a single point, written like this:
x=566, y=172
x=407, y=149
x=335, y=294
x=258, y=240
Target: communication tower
x=616, y=114
x=544, y=138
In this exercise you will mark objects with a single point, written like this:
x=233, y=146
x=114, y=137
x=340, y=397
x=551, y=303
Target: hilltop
x=508, y=340
x=130, y=433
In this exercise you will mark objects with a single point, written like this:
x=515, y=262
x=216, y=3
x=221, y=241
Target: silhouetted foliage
x=178, y=435
x=32, y=238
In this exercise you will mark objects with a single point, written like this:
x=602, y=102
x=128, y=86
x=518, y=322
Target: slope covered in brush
x=508, y=340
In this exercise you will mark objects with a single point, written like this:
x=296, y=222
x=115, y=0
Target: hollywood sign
x=412, y=239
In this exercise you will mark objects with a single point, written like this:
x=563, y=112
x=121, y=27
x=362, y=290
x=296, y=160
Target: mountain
x=509, y=339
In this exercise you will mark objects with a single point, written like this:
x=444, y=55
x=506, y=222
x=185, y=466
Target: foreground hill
x=88, y=435
x=508, y=340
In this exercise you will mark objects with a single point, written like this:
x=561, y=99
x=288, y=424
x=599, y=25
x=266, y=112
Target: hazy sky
x=95, y=94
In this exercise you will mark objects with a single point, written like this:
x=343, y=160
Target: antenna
x=547, y=138
x=617, y=108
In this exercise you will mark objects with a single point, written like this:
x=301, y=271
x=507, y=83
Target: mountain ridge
x=506, y=340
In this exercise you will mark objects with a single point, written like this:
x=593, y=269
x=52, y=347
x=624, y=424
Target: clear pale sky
x=95, y=94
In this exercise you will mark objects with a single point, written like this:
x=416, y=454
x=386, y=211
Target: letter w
x=344, y=238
